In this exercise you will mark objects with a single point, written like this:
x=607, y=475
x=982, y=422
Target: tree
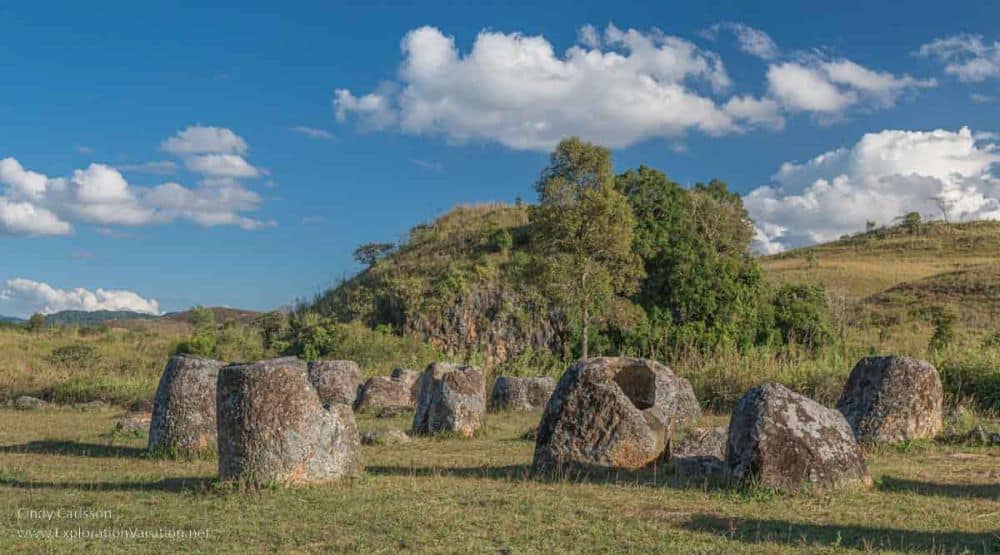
x=911, y=222
x=370, y=253
x=272, y=325
x=36, y=322
x=702, y=287
x=582, y=234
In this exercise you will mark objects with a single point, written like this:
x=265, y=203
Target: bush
x=802, y=315
x=77, y=356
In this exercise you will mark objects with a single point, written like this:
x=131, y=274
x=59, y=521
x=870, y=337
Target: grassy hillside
x=871, y=263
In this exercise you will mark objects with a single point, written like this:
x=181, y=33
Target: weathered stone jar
x=273, y=429
x=616, y=413
x=183, y=419
x=893, y=399
x=778, y=438
x=452, y=399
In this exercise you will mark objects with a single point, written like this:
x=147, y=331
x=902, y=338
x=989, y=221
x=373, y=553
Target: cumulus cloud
x=750, y=40
x=198, y=139
x=830, y=87
x=35, y=204
x=32, y=203
x=24, y=296
x=215, y=152
x=881, y=177
x=619, y=87
x=965, y=56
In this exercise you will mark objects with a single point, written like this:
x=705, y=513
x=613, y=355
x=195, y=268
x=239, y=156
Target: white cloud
x=750, y=40
x=830, y=87
x=221, y=165
x=313, y=133
x=618, y=89
x=24, y=296
x=198, y=139
x=882, y=177
x=35, y=204
x=215, y=152
x=965, y=56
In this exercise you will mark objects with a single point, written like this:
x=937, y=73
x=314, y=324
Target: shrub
x=802, y=315
x=76, y=356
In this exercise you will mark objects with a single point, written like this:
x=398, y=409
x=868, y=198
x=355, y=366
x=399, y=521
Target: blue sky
x=264, y=211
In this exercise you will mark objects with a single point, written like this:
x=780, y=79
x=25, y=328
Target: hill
x=11, y=320
x=867, y=264
x=221, y=314
x=93, y=317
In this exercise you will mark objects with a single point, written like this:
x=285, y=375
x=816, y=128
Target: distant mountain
x=90, y=318
x=221, y=315
x=11, y=320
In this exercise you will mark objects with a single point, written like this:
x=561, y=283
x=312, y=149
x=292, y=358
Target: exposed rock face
x=336, y=381
x=27, y=402
x=410, y=378
x=384, y=397
x=513, y=393
x=183, y=420
x=274, y=429
x=612, y=413
x=892, y=399
x=452, y=399
x=384, y=437
x=781, y=439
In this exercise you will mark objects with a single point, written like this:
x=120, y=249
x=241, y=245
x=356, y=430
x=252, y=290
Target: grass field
x=453, y=495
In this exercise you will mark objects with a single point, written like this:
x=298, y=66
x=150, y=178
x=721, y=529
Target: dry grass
x=475, y=496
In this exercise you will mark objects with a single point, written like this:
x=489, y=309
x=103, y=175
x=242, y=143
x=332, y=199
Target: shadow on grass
x=168, y=484
x=983, y=491
x=75, y=448
x=759, y=531
x=658, y=477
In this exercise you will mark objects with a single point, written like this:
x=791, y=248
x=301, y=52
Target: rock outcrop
x=336, y=381
x=183, y=419
x=515, y=393
x=452, y=399
x=274, y=429
x=612, y=413
x=784, y=440
x=892, y=399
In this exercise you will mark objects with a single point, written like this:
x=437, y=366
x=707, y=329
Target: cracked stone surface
x=893, y=399
x=273, y=428
x=452, y=399
x=778, y=438
x=183, y=420
x=612, y=413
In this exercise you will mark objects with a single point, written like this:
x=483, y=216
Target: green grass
x=453, y=495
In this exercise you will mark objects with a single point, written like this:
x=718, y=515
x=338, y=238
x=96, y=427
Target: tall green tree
x=702, y=287
x=582, y=235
